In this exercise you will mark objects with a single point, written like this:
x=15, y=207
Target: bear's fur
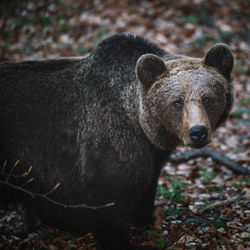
x=102, y=126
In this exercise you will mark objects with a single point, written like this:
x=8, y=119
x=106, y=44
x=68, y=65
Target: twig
x=14, y=175
x=224, y=203
x=44, y=196
x=210, y=207
x=4, y=166
x=214, y=154
x=11, y=171
x=53, y=189
x=218, y=204
x=212, y=226
x=28, y=181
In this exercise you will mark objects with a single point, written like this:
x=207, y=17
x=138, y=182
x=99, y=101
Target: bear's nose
x=198, y=134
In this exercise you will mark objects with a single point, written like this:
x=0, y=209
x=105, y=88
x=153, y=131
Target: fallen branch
x=214, y=154
x=224, y=203
x=45, y=197
x=39, y=195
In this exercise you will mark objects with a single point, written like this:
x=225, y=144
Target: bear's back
x=125, y=46
x=116, y=58
x=41, y=101
x=44, y=100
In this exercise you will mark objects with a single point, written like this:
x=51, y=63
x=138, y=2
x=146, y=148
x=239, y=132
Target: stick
x=214, y=154
x=224, y=203
x=13, y=168
x=212, y=226
x=44, y=196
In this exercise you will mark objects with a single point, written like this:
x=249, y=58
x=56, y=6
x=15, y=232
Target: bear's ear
x=221, y=58
x=148, y=68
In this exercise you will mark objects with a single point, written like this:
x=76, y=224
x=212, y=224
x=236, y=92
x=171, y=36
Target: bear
x=103, y=126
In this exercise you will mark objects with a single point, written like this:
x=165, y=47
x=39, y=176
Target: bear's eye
x=207, y=100
x=178, y=104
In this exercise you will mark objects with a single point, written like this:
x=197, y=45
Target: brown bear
x=102, y=126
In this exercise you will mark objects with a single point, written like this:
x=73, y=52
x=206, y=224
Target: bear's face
x=187, y=97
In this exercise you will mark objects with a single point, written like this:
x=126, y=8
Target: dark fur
x=76, y=122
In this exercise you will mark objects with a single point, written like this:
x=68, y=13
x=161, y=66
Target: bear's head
x=184, y=99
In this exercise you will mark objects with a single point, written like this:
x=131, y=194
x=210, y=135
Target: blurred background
x=48, y=29
x=60, y=28
x=66, y=28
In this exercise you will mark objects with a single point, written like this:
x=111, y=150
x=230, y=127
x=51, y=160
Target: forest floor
x=49, y=29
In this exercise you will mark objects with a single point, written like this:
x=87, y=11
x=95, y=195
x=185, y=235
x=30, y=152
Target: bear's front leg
x=112, y=236
x=144, y=212
x=29, y=219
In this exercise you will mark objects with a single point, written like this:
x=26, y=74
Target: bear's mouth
x=197, y=145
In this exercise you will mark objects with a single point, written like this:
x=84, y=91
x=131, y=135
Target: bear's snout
x=196, y=131
x=198, y=135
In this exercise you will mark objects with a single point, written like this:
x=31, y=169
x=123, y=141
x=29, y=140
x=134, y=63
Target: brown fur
x=103, y=126
x=188, y=80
